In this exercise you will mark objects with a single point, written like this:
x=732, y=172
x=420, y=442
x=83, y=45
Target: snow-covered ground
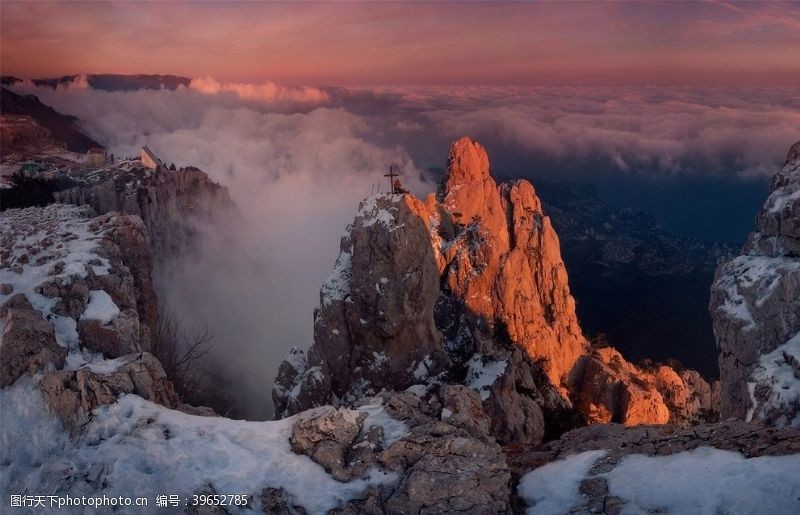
x=136, y=448
x=705, y=481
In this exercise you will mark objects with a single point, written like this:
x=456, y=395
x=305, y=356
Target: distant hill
x=118, y=82
x=9, y=80
x=63, y=128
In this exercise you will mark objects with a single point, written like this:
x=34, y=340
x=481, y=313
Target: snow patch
x=379, y=358
x=482, y=374
x=552, y=489
x=297, y=359
x=781, y=198
x=753, y=277
x=421, y=371
x=337, y=285
x=420, y=390
x=707, y=481
x=101, y=307
x=393, y=429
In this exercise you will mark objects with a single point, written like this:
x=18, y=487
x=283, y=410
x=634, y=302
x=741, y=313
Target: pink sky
x=410, y=43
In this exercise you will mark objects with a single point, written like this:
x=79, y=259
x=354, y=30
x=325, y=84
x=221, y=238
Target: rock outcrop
x=755, y=307
x=614, y=390
x=79, y=308
x=500, y=256
x=444, y=460
x=29, y=343
x=327, y=438
x=73, y=394
x=468, y=287
x=374, y=328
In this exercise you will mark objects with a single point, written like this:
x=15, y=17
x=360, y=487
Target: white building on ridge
x=149, y=159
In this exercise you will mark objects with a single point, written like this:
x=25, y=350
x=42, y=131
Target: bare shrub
x=184, y=356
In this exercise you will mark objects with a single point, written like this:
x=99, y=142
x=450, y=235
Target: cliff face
x=501, y=257
x=468, y=287
x=171, y=203
x=755, y=305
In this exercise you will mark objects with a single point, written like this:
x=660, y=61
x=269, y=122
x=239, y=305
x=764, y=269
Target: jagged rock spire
x=471, y=281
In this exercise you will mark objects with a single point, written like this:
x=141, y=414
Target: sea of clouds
x=297, y=159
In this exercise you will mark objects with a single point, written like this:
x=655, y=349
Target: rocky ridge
x=755, y=306
x=173, y=205
x=469, y=287
x=63, y=128
x=78, y=308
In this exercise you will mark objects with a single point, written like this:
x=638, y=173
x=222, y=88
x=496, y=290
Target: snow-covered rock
x=374, y=327
x=28, y=341
x=755, y=307
x=64, y=260
x=78, y=295
x=74, y=394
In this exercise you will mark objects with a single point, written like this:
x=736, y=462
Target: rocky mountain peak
x=467, y=162
x=469, y=193
x=468, y=288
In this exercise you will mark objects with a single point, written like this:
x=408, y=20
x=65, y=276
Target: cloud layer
x=716, y=131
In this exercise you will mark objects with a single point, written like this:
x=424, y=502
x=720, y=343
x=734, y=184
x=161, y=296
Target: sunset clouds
x=265, y=92
x=718, y=131
x=706, y=131
x=494, y=43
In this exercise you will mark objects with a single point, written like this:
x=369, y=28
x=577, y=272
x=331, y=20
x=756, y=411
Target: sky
x=390, y=43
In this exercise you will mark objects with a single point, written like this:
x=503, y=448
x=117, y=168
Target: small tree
x=183, y=356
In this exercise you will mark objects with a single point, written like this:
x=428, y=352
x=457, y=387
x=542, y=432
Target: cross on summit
x=391, y=175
